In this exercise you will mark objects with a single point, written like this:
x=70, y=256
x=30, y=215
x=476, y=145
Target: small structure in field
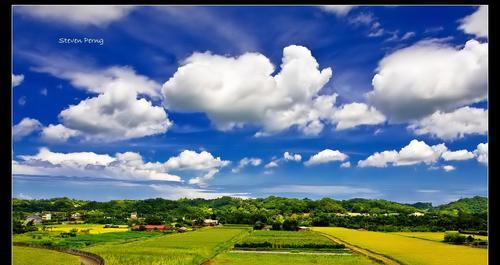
x=76, y=216
x=151, y=228
x=303, y=228
x=110, y=226
x=416, y=214
x=182, y=229
x=46, y=216
x=133, y=216
x=210, y=222
x=33, y=219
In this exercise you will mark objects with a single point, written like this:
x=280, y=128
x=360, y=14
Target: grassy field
x=93, y=228
x=280, y=259
x=435, y=236
x=25, y=255
x=81, y=240
x=409, y=250
x=174, y=249
x=280, y=239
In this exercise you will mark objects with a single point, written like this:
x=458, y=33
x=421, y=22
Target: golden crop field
x=435, y=236
x=94, y=228
x=409, y=250
x=26, y=255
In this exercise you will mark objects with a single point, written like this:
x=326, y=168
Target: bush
x=455, y=238
x=258, y=225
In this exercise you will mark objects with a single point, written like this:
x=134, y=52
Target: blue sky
x=299, y=101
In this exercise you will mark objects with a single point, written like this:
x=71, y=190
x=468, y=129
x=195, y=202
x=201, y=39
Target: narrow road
x=372, y=255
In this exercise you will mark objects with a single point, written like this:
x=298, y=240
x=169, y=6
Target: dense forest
x=278, y=212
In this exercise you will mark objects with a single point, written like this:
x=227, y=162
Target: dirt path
x=372, y=255
x=291, y=253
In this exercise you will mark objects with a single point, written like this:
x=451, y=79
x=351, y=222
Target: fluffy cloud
x=452, y=125
x=338, y=10
x=121, y=110
x=127, y=165
x=202, y=162
x=457, y=155
x=58, y=133
x=17, y=80
x=25, y=127
x=234, y=91
x=247, y=161
x=477, y=23
x=345, y=165
x=272, y=164
x=414, y=153
x=292, y=157
x=115, y=115
x=326, y=156
x=354, y=114
x=419, y=80
x=481, y=153
x=448, y=168
x=97, y=15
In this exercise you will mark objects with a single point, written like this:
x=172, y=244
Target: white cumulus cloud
x=338, y=10
x=452, y=125
x=355, y=114
x=292, y=157
x=481, y=153
x=326, y=156
x=234, y=91
x=17, y=80
x=448, y=168
x=477, y=23
x=414, y=153
x=419, y=80
x=58, y=133
x=245, y=162
x=203, y=162
x=128, y=165
x=345, y=165
x=25, y=127
x=457, y=155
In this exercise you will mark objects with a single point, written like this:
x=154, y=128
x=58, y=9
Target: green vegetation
x=286, y=240
x=277, y=212
x=409, y=250
x=80, y=240
x=180, y=248
x=26, y=255
x=282, y=259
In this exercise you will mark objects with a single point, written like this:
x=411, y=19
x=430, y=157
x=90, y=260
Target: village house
x=150, y=228
x=416, y=214
x=33, y=219
x=76, y=216
x=210, y=222
x=133, y=216
x=303, y=228
x=46, y=217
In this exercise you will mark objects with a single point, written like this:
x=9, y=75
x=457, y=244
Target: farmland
x=408, y=250
x=183, y=248
x=26, y=255
x=280, y=259
x=92, y=228
x=286, y=240
x=434, y=236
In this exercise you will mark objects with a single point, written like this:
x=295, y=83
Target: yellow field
x=408, y=250
x=94, y=228
x=435, y=236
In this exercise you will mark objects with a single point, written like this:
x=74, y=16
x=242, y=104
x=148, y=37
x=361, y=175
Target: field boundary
x=290, y=253
x=222, y=247
x=378, y=257
x=86, y=258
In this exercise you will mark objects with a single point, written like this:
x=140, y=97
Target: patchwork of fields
x=239, y=245
x=183, y=248
x=409, y=250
